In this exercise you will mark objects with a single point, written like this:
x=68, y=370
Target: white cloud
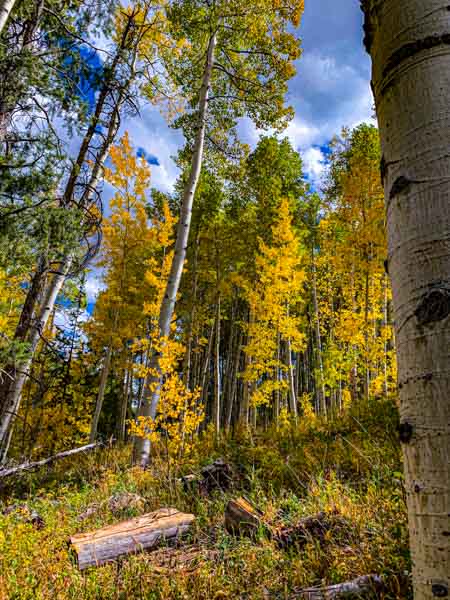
x=302, y=134
x=94, y=285
x=150, y=131
x=314, y=165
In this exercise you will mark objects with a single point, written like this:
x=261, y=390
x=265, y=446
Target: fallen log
x=366, y=586
x=30, y=466
x=241, y=517
x=129, y=537
x=318, y=528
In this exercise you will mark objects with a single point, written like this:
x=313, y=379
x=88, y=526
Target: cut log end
x=241, y=517
x=129, y=537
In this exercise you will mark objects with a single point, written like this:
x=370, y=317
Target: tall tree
x=137, y=33
x=246, y=55
x=408, y=43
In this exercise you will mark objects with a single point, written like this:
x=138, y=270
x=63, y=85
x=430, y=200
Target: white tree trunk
x=6, y=7
x=292, y=394
x=217, y=385
x=149, y=407
x=100, y=395
x=322, y=404
x=409, y=42
x=12, y=403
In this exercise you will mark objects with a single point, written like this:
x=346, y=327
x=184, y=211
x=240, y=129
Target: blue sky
x=331, y=90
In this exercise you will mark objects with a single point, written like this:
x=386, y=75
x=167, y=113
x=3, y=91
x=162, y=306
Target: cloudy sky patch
x=331, y=90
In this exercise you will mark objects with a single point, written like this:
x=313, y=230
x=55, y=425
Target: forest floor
x=349, y=468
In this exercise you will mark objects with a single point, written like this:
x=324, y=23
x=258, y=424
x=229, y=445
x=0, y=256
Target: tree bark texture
x=409, y=42
x=6, y=7
x=100, y=395
x=149, y=406
x=129, y=537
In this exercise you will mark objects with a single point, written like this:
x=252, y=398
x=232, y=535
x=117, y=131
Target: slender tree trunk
x=6, y=7
x=321, y=385
x=187, y=367
x=233, y=382
x=128, y=381
x=216, y=410
x=292, y=394
x=366, y=338
x=149, y=407
x=408, y=43
x=246, y=392
x=11, y=401
x=278, y=406
x=100, y=395
x=385, y=344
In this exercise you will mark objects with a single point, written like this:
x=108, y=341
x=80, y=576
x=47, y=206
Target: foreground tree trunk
x=408, y=41
x=6, y=7
x=149, y=406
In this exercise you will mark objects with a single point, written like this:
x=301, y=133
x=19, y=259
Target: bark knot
x=439, y=590
x=401, y=184
x=435, y=306
x=405, y=431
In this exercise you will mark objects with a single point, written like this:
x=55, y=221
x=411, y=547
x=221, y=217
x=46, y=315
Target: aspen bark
x=100, y=395
x=216, y=411
x=125, y=404
x=321, y=385
x=149, y=406
x=292, y=394
x=6, y=7
x=408, y=41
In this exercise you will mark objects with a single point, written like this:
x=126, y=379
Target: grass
x=352, y=468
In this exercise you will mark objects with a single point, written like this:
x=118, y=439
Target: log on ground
x=129, y=537
x=368, y=586
x=319, y=528
x=31, y=466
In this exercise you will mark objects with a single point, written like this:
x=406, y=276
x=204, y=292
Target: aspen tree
x=6, y=6
x=408, y=44
x=246, y=56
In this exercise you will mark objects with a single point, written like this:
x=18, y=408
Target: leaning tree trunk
x=150, y=404
x=6, y=7
x=409, y=42
x=11, y=401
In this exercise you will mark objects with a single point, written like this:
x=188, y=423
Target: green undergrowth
x=349, y=468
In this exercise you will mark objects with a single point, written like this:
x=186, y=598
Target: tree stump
x=128, y=537
x=241, y=517
x=216, y=476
